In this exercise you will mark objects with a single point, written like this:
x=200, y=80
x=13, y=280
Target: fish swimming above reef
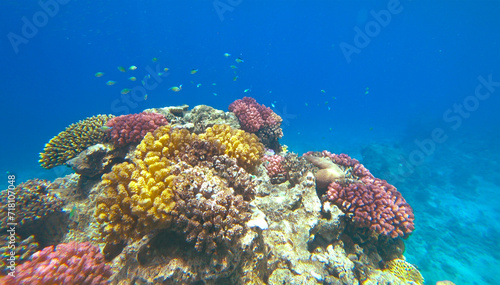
x=175, y=88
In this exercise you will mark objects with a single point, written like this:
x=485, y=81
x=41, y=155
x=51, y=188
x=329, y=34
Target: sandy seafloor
x=453, y=194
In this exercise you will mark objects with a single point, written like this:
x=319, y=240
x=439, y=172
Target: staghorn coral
x=243, y=146
x=207, y=211
x=73, y=140
x=404, y=271
x=70, y=263
x=127, y=129
x=33, y=202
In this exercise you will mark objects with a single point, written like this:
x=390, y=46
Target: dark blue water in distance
x=417, y=82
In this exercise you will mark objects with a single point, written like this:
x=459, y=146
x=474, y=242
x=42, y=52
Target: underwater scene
x=250, y=142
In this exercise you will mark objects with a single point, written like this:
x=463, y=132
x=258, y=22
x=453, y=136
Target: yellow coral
x=138, y=196
x=73, y=140
x=404, y=271
x=245, y=147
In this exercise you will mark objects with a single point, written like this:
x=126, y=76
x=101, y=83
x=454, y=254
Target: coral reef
x=23, y=250
x=275, y=169
x=192, y=204
x=33, y=202
x=96, y=160
x=71, y=263
x=138, y=196
x=258, y=119
x=404, y=271
x=198, y=119
x=127, y=129
x=207, y=211
x=370, y=202
x=243, y=146
x=137, y=199
x=73, y=140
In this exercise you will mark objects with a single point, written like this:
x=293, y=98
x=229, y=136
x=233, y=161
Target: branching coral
x=243, y=146
x=139, y=195
x=33, y=202
x=137, y=198
x=275, y=169
x=71, y=263
x=370, y=202
x=132, y=128
x=258, y=119
x=207, y=211
x=73, y=140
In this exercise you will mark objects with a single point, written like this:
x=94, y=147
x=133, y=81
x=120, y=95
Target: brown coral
x=33, y=202
x=207, y=211
x=139, y=195
x=73, y=140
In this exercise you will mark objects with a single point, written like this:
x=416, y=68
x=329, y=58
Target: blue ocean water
x=415, y=82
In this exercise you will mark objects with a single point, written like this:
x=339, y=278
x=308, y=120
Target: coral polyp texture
x=73, y=140
x=33, y=202
x=370, y=202
x=138, y=196
x=258, y=119
x=209, y=212
x=245, y=147
x=69, y=263
x=405, y=271
x=275, y=168
x=137, y=199
x=132, y=128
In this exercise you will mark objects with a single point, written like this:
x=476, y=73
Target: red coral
x=275, y=168
x=70, y=263
x=375, y=204
x=371, y=202
x=252, y=115
x=132, y=128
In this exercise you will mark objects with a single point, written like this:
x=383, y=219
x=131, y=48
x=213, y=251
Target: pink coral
x=275, y=168
x=70, y=263
x=371, y=202
x=252, y=115
x=132, y=128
